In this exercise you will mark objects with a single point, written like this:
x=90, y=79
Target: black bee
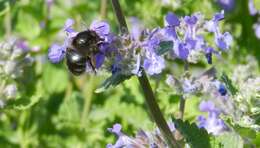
x=83, y=48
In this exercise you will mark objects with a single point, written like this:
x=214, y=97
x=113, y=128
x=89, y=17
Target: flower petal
x=56, y=53
x=102, y=28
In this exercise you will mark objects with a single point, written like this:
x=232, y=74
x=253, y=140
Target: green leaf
x=227, y=140
x=164, y=47
x=196, y=137
x=112, y=81
x=229, y=84
x=28, y=26
x=55, y=78
x=199, y=138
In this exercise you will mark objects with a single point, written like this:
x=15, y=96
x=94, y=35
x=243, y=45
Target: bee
x=82, y=51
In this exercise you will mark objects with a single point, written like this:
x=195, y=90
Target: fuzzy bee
x=82, y=51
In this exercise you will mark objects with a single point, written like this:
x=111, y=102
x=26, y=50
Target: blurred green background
x=60, y=110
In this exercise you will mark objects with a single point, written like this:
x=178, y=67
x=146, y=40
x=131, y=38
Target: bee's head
x=85, y=40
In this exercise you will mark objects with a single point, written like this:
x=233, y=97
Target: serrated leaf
x=112, y=81
x=196, y=137
x=164, y=47
x=229, y=84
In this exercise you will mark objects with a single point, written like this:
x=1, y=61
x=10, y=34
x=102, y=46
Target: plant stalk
x=103, y=9
x=148, y=93
x=155, y=110
x=182, y=99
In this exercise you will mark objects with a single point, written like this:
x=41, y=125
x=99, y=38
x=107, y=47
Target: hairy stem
x=148, y=93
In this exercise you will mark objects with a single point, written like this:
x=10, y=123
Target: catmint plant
x=14, y=58
x=191, y=39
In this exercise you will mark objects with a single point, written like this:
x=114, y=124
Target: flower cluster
x=14, y=57
x=247, y=98
x=129, y=53
x=143, y=138
x=213, y=124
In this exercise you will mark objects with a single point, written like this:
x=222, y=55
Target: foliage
x=53, y=108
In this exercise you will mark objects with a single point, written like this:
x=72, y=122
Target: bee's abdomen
x=76, y=62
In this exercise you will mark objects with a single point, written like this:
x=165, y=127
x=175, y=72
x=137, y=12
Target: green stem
x=182, y=99
x=120, y=16
x=155, y=110
x=148, y=93
x=88, y=91
x=103, y=9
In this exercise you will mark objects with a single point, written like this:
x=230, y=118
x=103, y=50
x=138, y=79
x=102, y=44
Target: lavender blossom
x=227, y=5
x=257, y=30
x=213, y=124
x=14, y=58
x=142, y=139
x=223, y=41
x=56, y=53
x=252, y=9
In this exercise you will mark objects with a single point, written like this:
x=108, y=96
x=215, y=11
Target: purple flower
x=49, y=2
x=181, y=50
x=251, y=7
x=56, y=53
x=116, y=129
x=172, y=21
x=68, y=28
x=136, y=28
x=208, y=54
x=22, y=45
x=224, y=41
x=227, y=5
x=208, y=106
x=191, y=20
x=100, y=58
x=122, y=140
x=213, y=124
x=257, y=30
x=153, y=64
x=100, y=27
